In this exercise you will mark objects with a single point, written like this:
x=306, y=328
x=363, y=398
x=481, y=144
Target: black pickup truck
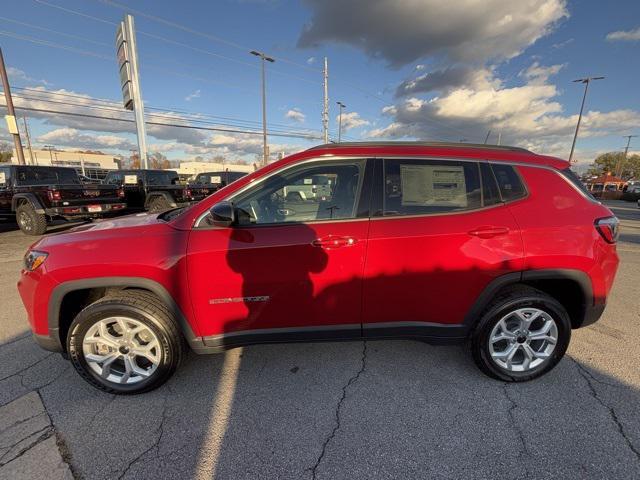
x=217, y=180
x=36, y=195
x=155, y=190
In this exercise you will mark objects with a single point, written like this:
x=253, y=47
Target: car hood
x=140, y=219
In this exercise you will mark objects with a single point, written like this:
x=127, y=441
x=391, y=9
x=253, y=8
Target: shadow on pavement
x=385, y=409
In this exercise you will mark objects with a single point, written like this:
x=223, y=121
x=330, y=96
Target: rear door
x=439, y=236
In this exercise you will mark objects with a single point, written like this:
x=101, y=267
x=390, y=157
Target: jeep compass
x=444, y=243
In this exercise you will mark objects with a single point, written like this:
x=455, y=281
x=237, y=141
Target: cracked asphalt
x=383, y=409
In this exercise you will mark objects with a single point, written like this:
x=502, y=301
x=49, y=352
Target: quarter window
x=509, y=182
x=328, y=191
x=416, y=187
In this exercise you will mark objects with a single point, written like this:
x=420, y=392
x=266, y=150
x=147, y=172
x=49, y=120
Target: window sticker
x=433, y=185
x=131, y=179
x=3, y=178
x=216, y=179
x=308, y=181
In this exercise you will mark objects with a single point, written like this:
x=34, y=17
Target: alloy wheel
x=121, y=350
x=523, y=339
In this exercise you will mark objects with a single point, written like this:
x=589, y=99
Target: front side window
x=327, y=191
x=418, y=187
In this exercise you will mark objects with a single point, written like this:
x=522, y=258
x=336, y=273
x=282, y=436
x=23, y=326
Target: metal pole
x=7, y=96
x=265, y=154
x=138, y=106
x=26, y=133
x=499, y=138
x=586, y=82
x=341, y=105
x=486, y=139
x=626, y=152
x=325, y=109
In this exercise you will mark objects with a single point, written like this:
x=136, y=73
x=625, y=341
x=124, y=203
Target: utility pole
x=136, y=92
x=11, y=117
x=341, y=105
x=265, y=148
x=486, y=139
x=26, y=133
x=325, y=107
x=50, y=147
x=586, y=82
x=499, y=138
x=626, y=152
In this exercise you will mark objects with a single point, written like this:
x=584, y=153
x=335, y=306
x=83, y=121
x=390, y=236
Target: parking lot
x=384, y=409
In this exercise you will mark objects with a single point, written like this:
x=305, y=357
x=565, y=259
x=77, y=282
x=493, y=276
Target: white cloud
x=528, y=115
x=70, y=137
x=624, y=35
x=352, y=120
x=402, y=31
x=193, y=95
x=311, y=60
x=296, y=115
x=17, y=74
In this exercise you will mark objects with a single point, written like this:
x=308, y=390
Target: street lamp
x=341, y=105
x=586, y=82
x=265, y=150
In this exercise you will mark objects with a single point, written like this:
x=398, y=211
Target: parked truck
x=36, y=195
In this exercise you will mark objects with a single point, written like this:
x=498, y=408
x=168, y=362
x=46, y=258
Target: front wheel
x=125, y=343
x=522, y=335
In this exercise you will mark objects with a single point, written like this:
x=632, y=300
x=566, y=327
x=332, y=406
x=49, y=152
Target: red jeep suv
x=444, y=243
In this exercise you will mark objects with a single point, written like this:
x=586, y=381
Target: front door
x=292, y=266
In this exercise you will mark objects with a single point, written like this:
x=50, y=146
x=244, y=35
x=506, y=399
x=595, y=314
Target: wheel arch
x=151, y=196
x=28, y=198
x=69, y=298
x=572, y=288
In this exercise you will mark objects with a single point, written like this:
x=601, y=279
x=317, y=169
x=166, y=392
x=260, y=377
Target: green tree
x=611, y=162
x=6, y=152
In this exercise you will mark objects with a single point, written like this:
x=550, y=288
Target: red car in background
x=444, y=243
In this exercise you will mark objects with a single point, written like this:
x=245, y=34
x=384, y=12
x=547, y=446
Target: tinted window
x=415, y=187
x=490, y=192
x=162, y=178
x=46, y=176
x=114, y=178
x=509, y=182
x=573, y=178
x=307, y=193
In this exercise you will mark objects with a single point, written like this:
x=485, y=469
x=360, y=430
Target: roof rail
x=421, y=144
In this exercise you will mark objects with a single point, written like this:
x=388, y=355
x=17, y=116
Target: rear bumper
x=84, y=210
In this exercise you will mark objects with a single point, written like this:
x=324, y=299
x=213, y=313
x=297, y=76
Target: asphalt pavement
x=383, y=409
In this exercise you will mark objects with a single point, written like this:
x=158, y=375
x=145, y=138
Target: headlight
x=33, y=259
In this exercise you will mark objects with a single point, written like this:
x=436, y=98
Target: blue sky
x=471, y=67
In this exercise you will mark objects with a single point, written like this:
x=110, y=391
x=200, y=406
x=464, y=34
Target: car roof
x=496, y=153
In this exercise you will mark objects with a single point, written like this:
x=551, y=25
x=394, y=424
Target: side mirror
x=223, y=214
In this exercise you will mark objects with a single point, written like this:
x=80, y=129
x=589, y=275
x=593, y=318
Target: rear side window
x=509, y=182
x=417, y=187
x=575, y=179
x=162, y=178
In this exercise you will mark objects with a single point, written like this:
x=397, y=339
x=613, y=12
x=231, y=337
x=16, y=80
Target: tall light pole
x=620, y=169
x=341, y=105
x=11, y=117
x=265, y=149
x=586, y=82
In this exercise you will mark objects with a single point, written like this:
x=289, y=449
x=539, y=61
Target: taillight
x=187, y=192
x=121, y=193
x=608, y=228
x=54, y=195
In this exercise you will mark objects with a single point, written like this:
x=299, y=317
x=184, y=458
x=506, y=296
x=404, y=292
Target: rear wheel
x=522, y=335
x=29, y=221
x=159, y=204
x=125, y=343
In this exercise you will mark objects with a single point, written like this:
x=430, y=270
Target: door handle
x=334, y=241
x=489, y=232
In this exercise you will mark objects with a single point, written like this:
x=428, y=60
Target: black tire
x=508, y=301
x=29, y=221
x=140, y=306
x=159, y=204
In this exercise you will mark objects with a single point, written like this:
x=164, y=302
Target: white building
x=193, y=168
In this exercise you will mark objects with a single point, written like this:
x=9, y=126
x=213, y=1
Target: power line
x=46, y=43
x=37, y=27
x=68, y=10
